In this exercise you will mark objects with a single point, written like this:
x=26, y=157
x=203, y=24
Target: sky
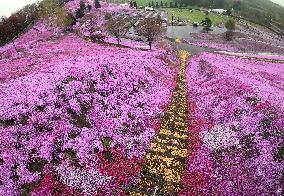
x=7, y=7
x=280, y=2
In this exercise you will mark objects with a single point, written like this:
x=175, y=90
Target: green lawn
x=146, y=3
x=194, y=16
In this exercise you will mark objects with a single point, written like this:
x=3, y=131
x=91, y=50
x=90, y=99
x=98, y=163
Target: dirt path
x=165, y=163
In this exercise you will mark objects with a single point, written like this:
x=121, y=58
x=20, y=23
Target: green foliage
x=157, y=5
x=106, y=142
x=69, y=20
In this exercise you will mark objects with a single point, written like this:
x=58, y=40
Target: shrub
x=108, y=16
x=97, y=4
x=79, y=13
x=207, y=23
x=69, y=21
x=230, y=26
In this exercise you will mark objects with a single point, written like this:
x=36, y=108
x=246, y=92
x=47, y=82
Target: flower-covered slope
x=70, y=108
x=236, y=127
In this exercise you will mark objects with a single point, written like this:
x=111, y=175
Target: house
x=219, y=11
x=149, y=9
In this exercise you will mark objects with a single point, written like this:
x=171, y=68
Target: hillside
x=97, y=100
x=261, y=11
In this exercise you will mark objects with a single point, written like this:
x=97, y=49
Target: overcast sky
x=9, y=6
x=280, y=2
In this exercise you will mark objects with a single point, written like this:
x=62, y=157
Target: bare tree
x=117, y=27
x=150, y=28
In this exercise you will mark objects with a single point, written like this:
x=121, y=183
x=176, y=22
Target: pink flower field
x=236, y=130
x=82, y=116
x=71, y=107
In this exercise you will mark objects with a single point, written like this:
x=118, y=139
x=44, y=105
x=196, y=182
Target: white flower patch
x=86, y=180
x=219, y=137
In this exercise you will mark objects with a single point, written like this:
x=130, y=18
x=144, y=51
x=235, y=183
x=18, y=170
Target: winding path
x=165, y=163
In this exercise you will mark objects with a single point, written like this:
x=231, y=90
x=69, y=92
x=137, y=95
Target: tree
x=152, y=4
x=117, y=27
x=166, y=4
x=149, y=28
x=79, y=13
x=157, y=5
x=16, y=23
x=237, y=5
x=131, y=4
x=82, y=5
x=171, y=4
x=229, y=12
x=162, y=4
x=135, y=4
x=97, y=4
x=207, y=23
x=230, y=26
x=176, y=4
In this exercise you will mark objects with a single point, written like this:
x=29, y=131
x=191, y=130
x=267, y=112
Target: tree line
x=51, y=11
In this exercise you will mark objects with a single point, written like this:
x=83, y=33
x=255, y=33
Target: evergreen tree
x=162, y=4
x=97, y=4
x=157, y=5
x=79, y=13
x=131, y=4
x=229, y=12
x=149, y=4
x=171, y=4
x=176, y=4
x=135, y=4
x=166, y=4
x=207, y=23
x=152, y=5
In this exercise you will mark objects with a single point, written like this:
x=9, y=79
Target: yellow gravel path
x=164, y=164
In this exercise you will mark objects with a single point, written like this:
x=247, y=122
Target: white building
x=219, y=11
x=149, y=8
